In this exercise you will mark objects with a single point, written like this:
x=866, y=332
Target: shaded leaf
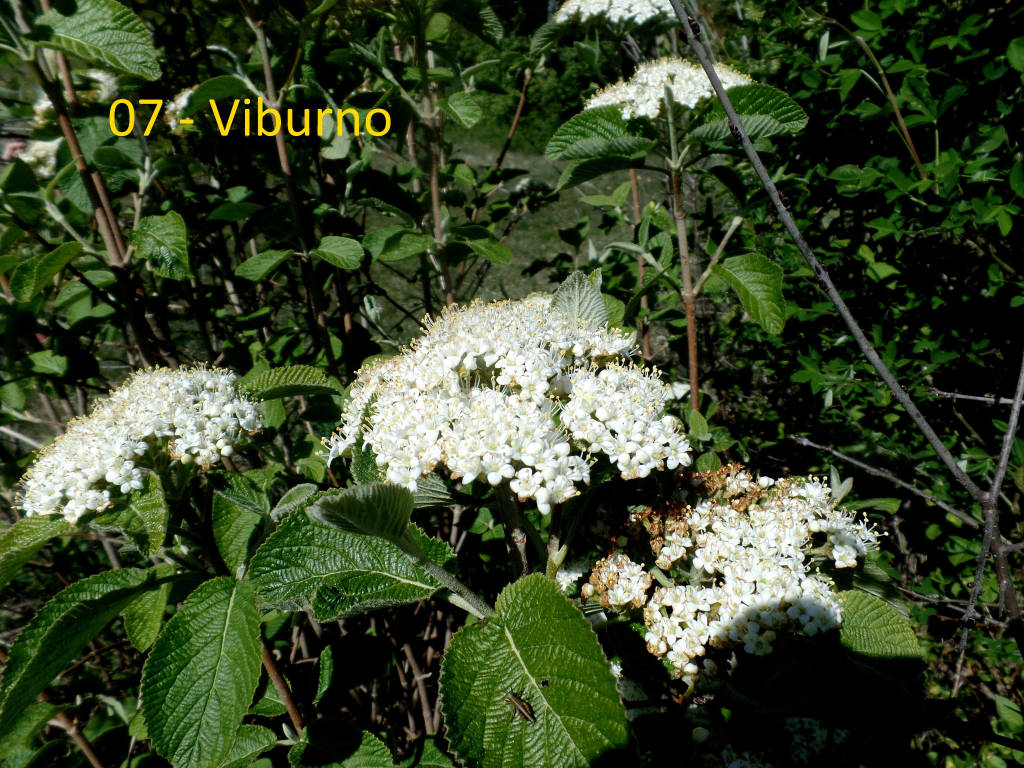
x=580, y=301
x=163, y=241
x=33, y=274
x=288, y=381
x=21, y=541
x=758, y=283
x=872, y=627
x=59, y=632
x=343, y=252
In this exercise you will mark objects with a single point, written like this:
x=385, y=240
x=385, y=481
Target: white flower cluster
x=644, y=93
x=98, y=456
x=618, y=582
x=42, y=156
x=172, y=115
x=615, y=11
x=511, y=391
x=745, y=551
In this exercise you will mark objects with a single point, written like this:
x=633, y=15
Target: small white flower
x=634, y=11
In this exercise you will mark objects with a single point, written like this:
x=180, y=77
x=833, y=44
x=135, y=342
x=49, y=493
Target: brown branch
x=421, y=690
x=527, y=77
x=281, y=685
x=991, y=543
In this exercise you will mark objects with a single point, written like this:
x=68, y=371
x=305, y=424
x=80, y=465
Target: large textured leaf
x=379, y=509
x=239, y=509
x=200, y=676
x=23, y=539
x=540, y=648
x=758, y=283
x=288, y=381
x=764, y=111
x=101, y=32
x=163, y=241
x=872, y=627
x=144, y=615
x=580, y=300
x=59, y=632
x=603, y=124
x=252, y=741
x=344, y=573
x=33, y=274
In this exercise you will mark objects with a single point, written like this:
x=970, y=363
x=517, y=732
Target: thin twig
x=421, y=689
x=820, y=272
x=281, y=685
x=988, y=399
x=733, y=226
x=962, y=516
x=991, y=544
x=23, y=438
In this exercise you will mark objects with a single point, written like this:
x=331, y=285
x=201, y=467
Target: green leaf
x=545, y=37
x=380, y=509
x=431, y=757
x=342, y=252
x=698, y=425
x=462, y=108
x=24, y=729
x=1015, y=53
x=252, y=741
x=21, y=541
x=239, y=509
x=872, y=627
x=764, y=111
x=578, y=299
x=866, y=19
x=431, y=491
x=262, y=264
x=597, y=148
x=200, y=677
x=345, y=573
x=540, y=648
x=293, y=498
x=339, y=750
x=59, y=632
x=150, y=508
x=33, y=274
x=48, y=361
x=603, y=123
x=579, y=171
x=144, y=615
x=493, y=250
x=101, y=32
x=326, y=673
x=216, y=88
x=289, y=381
x=758, y=283
x=163, y=241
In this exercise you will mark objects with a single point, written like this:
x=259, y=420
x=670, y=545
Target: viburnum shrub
x=532, y=409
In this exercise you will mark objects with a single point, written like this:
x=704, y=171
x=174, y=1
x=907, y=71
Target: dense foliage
x=329, y=518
